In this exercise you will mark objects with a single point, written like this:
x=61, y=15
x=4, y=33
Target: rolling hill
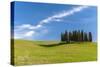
x=38, y=52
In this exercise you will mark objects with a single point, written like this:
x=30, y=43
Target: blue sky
x=43, y=21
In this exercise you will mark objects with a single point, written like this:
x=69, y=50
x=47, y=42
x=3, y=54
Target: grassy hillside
x=34, y=52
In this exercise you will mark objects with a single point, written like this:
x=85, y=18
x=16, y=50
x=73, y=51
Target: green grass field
x=35, y=52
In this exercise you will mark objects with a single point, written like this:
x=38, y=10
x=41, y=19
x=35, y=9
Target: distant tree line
x=76, y=36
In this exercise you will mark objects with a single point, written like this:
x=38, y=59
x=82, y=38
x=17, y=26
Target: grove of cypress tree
x=76, y=36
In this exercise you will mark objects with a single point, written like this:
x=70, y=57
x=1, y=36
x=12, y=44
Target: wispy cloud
x=30, y=33
x=28, y=26
x=63, y=14
x=57, y=17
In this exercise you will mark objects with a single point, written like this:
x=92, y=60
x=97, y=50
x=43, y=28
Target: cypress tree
x=82, y=36
x=79, y=35
x=66, y=37
x=69, y=36
x=62, y=37
x=73, y=37
x=85, y=37
x=76, y=35
x=90, y=36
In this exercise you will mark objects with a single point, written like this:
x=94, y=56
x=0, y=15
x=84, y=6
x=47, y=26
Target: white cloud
x=29, y=33
x=57, y=20
x=70, y=12
x=63, y=14
x=25, y=26
x=35, y=27
x=28, y=26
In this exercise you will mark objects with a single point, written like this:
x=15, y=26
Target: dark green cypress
x=66, y=37
x=90, y=36
x=73, y=37
x=76, y=35
x=79, y=35
x=85, y=37
x=82, y=36
x=62, y=37
x=69, y=36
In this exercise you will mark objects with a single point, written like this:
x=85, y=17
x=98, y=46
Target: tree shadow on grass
x=58, y=44
x=51, y=45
